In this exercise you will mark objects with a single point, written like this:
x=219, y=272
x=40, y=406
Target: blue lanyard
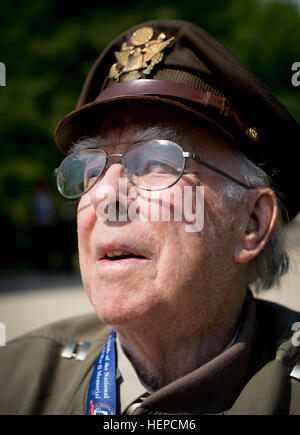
x=101, y=398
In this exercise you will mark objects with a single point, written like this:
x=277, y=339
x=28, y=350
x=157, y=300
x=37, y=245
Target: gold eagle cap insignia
x=138, y=58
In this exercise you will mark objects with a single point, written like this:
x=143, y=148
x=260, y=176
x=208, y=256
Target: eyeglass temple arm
x=213, y=168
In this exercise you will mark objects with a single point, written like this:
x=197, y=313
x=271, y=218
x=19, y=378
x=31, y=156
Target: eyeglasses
x=149, y=165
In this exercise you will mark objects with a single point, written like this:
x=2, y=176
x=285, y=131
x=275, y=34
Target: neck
x=159, y=360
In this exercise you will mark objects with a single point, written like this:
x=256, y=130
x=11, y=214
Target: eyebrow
x=150, y=133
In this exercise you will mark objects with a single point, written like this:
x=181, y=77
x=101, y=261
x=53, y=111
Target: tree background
x=48, y=47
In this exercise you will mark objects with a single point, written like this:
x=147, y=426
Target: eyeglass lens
x=151, y=165
x=78, y=171
x=154, y=164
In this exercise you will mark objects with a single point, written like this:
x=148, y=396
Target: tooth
x=117, y=253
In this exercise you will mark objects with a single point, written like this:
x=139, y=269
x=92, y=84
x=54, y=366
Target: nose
x=108, y=181
x=110, y=193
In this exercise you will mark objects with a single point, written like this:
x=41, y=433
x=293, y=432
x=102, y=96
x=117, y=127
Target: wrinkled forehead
x=125, y=122
x=139, y=121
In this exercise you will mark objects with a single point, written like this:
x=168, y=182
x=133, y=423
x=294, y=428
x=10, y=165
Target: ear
x=259, y=224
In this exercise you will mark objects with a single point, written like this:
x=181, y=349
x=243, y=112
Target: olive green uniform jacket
x=252, y=377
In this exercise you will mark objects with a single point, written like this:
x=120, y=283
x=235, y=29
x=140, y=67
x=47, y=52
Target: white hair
x=155, y=132
x=273, y=261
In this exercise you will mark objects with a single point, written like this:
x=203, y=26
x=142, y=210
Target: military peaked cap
x=176, y=62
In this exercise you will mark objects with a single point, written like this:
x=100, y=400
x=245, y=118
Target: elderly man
x=182, y=160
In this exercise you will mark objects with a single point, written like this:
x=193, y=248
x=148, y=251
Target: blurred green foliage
x=48, y=47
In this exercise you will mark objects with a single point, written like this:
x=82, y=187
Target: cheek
x=85, y=224
x=178, y=265
x=85, y=215
x=181, y=203
x=224, y=213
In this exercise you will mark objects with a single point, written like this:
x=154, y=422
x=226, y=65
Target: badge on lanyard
x=102, y=390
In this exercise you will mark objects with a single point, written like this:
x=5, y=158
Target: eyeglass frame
x=185, y=154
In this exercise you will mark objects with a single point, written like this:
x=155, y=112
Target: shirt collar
x=131, y=389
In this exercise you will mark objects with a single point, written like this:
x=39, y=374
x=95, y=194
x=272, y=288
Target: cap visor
x=86, y=120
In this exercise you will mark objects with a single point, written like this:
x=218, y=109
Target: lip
x=116, y=247
x=122, y=262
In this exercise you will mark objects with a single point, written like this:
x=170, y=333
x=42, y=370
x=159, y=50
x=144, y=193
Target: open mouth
x=122, y=257
x=118, y=256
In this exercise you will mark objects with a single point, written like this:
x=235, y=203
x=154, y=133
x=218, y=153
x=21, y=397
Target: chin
x=122, y=311
x=115, y=316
